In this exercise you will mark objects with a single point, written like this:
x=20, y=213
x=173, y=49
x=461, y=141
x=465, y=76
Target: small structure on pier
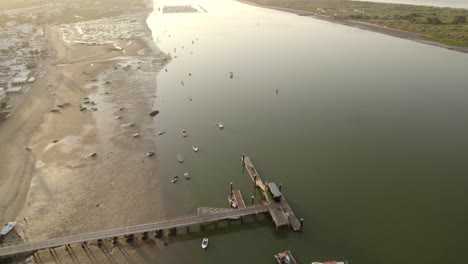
x=279, y=209
x=275, y=192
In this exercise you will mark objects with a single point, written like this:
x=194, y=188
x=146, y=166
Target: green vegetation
x=444, y=25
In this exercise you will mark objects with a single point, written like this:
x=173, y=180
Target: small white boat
x=149, y=154
x=180, y=158
x=195, y=148
x=184, y=133
x=220, y=125
x=187, y=176
x=175, y=179
x=162, y=132
x=136, y=135
x=204, y=243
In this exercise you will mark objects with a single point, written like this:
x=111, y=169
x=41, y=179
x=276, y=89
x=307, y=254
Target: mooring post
x=302, y=223
x=279, y=187
x=231, y=190
x=253, y=198
x=243, y=163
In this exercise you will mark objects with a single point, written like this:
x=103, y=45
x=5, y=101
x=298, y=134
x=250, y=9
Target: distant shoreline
x=365, y=26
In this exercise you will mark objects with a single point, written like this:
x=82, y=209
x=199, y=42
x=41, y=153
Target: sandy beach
x=56, y=188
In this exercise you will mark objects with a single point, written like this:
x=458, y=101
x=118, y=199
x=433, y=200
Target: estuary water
x=368, y=135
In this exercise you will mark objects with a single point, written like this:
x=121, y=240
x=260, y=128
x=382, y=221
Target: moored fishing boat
x=180, y=158
x=175, y=179
x=195, y=148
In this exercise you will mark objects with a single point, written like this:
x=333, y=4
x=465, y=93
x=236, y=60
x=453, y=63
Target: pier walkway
x=281, y=212
x=174, y=223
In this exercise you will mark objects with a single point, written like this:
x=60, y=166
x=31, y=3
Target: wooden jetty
x=280, y=211
x=285, y=258
x=138, y=229
x=274, y=203
x=236, y=196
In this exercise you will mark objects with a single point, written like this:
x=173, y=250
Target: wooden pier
x=281, y=212
x=138, y=229
x=279, y=209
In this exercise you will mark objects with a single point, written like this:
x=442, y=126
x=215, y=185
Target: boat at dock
x=180, y=158
x=175, y=179
x=204, y=244
x=195, y=148
x=285, y=258
x=232, y=202
x=187, y=176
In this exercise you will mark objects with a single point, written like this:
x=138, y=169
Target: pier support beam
x=302, y=224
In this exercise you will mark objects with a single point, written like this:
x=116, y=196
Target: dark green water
x=368, y=135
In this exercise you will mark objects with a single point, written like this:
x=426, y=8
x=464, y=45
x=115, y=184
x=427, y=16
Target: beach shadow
x=124, y=253
x=55, y=256
x=72, y=254
x=144, y=256
x=106, y=252
x=90, y=256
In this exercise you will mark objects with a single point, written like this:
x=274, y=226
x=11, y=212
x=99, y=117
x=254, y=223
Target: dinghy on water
x=220, y=125
x=195, y=148
x=180, y=158
x=162, y=132
x=187, y=176
x=184, y=133
x=175, y=179
x=204, y=244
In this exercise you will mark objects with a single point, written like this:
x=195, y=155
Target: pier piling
x=302, y=223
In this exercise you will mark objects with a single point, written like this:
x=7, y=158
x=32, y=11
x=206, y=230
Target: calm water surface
x=368, y=135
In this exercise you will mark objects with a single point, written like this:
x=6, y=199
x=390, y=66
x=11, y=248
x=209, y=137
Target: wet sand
x=56, y=188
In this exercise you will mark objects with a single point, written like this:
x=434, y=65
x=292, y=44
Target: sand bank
x=56, y=188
